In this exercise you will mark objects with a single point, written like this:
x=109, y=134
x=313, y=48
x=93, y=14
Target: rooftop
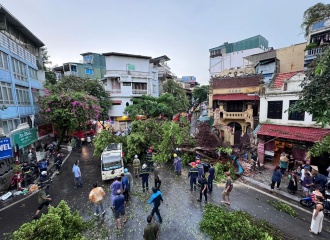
x=125, y=55
x=281, y=77
x=252, y=80
x=18, y=25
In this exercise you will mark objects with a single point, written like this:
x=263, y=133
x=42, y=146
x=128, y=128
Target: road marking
x=10, y=205
x=277, y=198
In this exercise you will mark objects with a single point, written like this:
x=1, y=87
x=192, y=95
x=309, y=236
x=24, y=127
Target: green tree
x=166, y=104
x=68, y=110
x=174, y=88
x=50, y=77
x=77, y=84
x=200, y=93
x=315, y=13
x=59, y=223
x=104, y=139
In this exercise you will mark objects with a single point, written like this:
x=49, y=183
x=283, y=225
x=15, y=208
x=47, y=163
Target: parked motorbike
x=307, y=201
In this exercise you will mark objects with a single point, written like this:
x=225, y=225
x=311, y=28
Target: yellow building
x=234, y=104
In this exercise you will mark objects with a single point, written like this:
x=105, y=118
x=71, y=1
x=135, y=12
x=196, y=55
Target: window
x=234, y=106
x=88, y=59
x=275, y=109
x=23, y=97
x=6, y=95
x=33, y=73
x=4, y=60
x=154, y=88
x=19, y=70
x=8, y=125
x=297, y=116
x=126, y=84
x=89, y=71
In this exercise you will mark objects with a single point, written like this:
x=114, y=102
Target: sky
x=184, y=30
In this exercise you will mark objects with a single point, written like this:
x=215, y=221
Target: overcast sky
x=184, y=30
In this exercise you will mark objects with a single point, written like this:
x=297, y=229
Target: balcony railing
x=313, y=52
x=234, y=115
x=139, y=91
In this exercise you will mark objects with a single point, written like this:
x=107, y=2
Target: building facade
x=92, y=66
x=229, y=56
x=128, y=76
x=234, y=104
x=282, y=131
x=20, y=77
x=317, y=39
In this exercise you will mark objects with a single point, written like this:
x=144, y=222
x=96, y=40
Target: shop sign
x=25, y=137
x=261, y=147
x=45, y=130
x=5, y=148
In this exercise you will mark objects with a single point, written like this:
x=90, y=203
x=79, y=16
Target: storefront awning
x=236, y=96
x=307, y=134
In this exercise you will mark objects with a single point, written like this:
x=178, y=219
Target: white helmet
x=44, y=173
x=136, y=156
x=144, y=166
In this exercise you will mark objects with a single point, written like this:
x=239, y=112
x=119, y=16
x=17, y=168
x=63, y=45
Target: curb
x=12, y=204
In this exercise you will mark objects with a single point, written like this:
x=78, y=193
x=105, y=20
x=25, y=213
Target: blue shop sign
x=5, y=148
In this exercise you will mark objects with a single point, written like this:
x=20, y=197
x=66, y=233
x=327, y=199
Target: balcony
x=139, y=91
x=312, y=53
x=70, y=73
x=238, y=115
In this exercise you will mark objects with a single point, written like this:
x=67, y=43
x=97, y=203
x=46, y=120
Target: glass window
x=6, y=96
x=274, y=110
x=23, y=95
x=89, y=71
x=297, y=116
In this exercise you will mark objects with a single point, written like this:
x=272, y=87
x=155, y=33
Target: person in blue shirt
x=156, y=198
x=211, y=178
x=77, y=174
x=42, y=165
x=119, y=208
x=126, y=186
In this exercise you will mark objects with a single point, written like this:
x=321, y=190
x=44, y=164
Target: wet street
x=181, y=212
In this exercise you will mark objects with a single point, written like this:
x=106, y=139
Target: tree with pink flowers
x=68, y=110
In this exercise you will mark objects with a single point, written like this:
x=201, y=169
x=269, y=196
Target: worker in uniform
x=200, y=171
x=145, y=177
x=136, y=166
x=58, y=163
x=149, y=160
x=193, y=173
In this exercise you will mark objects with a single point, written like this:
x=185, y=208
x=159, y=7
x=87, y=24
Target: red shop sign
x=44, y=130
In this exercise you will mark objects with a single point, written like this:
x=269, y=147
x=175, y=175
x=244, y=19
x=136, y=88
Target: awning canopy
x=236, y=96
x=307, y=134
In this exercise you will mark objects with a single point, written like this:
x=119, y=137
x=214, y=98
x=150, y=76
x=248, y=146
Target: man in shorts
x=119, y=208
x=43, y=200
x=228, y=187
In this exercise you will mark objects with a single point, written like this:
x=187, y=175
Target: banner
x=45, y=130
x=5, y=148
x=25, y=137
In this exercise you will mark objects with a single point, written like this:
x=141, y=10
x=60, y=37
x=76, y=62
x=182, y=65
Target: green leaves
x=221, y=224
x=200, y=93
x=59, y=224
x=282, y=207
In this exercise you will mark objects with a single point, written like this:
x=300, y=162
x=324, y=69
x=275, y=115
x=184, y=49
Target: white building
x=229, y=56
x=280, y=131
x=128, y=76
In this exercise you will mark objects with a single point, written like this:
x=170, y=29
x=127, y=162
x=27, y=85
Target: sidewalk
x=19, y=196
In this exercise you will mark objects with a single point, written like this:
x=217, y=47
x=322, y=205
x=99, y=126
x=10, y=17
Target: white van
x=112, y=164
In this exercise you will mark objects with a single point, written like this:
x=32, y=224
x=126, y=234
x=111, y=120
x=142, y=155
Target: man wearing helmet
x=44, y=181
x=145, y=177
x=193, y=173
x=136, y=166
x=177, y=164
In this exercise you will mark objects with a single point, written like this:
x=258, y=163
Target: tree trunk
x=58, y=146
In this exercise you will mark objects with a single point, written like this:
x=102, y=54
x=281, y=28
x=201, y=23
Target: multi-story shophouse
x=92, y=66
x=234, y=104
x=317, y=39
x=20, y=84
x=229, y=56
x=128, y=76
x=280, y=131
